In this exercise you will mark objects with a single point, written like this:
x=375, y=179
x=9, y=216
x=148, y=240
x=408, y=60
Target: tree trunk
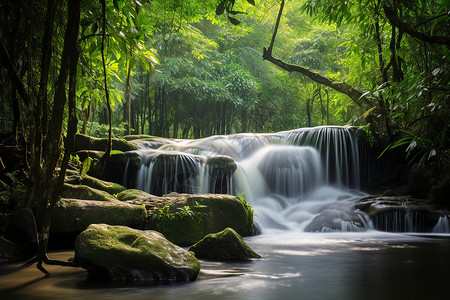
x=127, y=106
x=109, y=145
x=44, y=190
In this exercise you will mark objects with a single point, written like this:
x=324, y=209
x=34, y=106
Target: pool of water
x=295, y=265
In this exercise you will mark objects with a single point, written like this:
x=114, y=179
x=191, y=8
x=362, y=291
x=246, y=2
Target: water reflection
x=296, y=265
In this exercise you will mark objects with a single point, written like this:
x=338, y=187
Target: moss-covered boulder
x=107, y=186
x=184, y=219
x=121, y=167
x=85, y=142
x=94, y=154
x=120, y=253
x=85, y=192
x=134, y=195
x=74, y=215
x=224, y=245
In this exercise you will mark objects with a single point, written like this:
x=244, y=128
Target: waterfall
x=403, y=220
x=305, y=179
x=442, y=225
x=338, y=148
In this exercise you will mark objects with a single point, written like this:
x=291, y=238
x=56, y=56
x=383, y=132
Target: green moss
x=129, y=254
x=85, y=192
x=109, y=187
x=217, y=213
x=224, y=245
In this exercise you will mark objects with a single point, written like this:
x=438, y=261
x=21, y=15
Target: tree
x=45, y=141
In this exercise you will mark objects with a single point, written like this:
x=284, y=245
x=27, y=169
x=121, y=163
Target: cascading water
x=306, y=179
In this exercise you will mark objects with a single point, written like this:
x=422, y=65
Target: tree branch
x=395, y=21
x=342, y=87
x=8, y=64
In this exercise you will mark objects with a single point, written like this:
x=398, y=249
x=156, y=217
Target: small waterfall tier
x=338, y=148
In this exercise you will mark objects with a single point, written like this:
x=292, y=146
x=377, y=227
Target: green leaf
x=252, y=2
x=221, y=8
x=86, y=166
x=234, y=21
x=114, y=152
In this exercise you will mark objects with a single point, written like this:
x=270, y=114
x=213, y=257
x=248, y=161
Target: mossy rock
x=107, y=186
x=221, y=165
x=132, y=137
x=85, y=142
x=133, y=195
x=224, y=245
x=120, y=253
x=94, y=154
x=119, y=166
x=85, y=192
x=210, y=213
x=74, y=215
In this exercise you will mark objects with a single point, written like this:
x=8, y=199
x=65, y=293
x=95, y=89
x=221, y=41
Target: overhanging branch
x=395, y=21
x=343, y=87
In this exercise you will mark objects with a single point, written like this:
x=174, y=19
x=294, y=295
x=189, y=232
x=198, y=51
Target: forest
x=192, y=69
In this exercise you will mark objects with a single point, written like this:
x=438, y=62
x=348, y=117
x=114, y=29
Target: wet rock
x=74, y=215
x=120, y=166
x=147, y=141
x=221, y=165
x=224, y=245
x=85, y=142
x=220, y=169
x=120, y=253
x=184, y=219
x=85, y=192
x=10, y=252
x=21, y=230
x=98, y=184
x=400, y=213
x=336, y=220
x=134, y=195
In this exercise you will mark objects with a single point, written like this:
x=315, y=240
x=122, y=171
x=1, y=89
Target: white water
x=304, y=180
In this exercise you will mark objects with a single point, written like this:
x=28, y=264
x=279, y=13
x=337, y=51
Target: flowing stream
x=303, y=185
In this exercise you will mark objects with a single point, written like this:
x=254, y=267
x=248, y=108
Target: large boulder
x=120, y=253
x=75, y=215
x=85, y=142
x=135, y=196
x=184, y=219
x=107, y=186
x=220, y=169
x=85, y=192
x=396, y=213
x=336, y=220
x=224, y=245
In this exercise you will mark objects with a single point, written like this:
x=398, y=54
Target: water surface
x=296, y=265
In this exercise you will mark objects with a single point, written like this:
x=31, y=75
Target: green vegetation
x=164, y=214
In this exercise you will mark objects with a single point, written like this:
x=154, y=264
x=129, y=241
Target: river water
x=295, y=265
